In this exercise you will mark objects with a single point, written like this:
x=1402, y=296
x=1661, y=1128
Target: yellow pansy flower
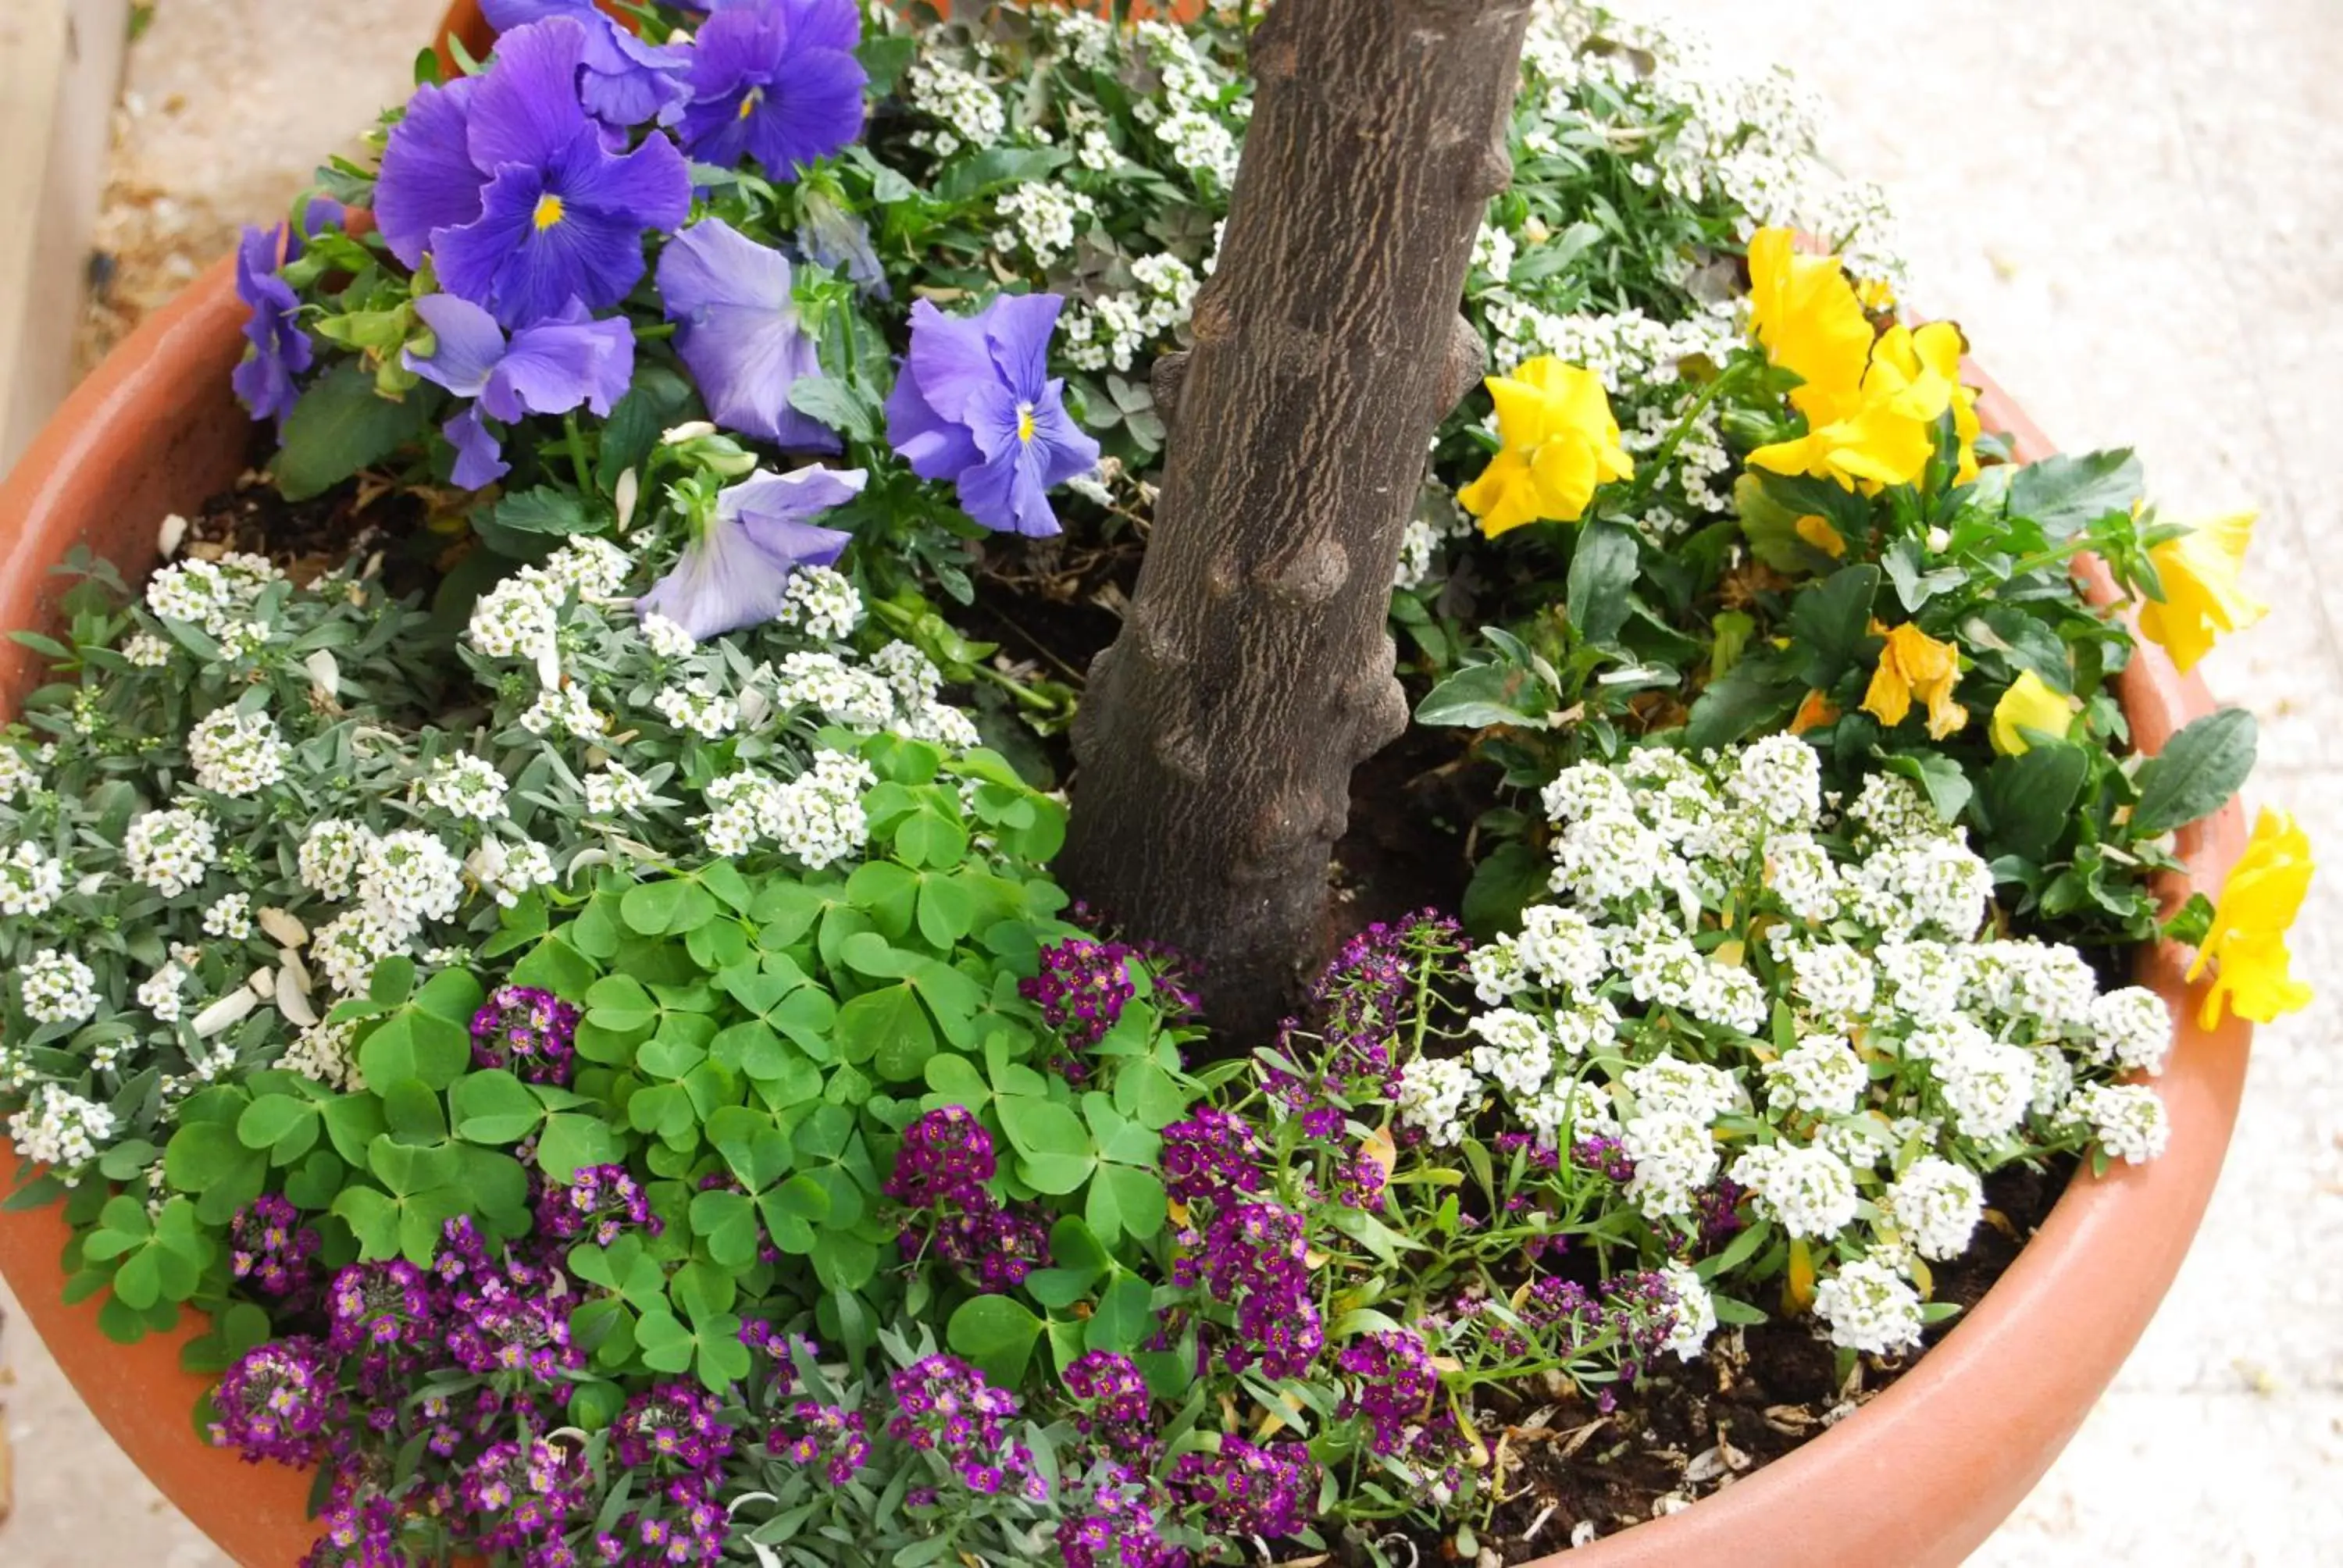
x=1918, y=371
x=2257, y=906
x=2030, y=703
x=1873, y=446
x=1915, y=665
x=1561, y=442
x=2203, y=598
x=1805, y=313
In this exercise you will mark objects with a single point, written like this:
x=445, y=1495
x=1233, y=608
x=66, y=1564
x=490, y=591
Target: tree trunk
x=1254, y=671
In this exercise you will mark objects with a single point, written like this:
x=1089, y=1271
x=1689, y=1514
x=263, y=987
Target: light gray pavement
x=2135, y=210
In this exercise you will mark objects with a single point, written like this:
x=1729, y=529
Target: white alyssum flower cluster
x=1733, y=984
x=1041, y=219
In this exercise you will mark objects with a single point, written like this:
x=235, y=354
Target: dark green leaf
x=2195, y=773
x=1602, y=576
x=340, y=426
x=2065, y=494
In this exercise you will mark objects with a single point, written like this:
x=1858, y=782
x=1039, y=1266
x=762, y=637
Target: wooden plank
x=60, y=68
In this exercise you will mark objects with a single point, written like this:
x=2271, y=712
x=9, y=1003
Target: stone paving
x=2132, y=209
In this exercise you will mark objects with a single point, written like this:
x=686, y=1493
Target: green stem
x=577, y=441
x=1660, y=459
x=657, y=330
x=1015, y=688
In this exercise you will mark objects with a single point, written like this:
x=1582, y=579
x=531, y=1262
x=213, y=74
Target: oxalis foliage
x=597, y=1038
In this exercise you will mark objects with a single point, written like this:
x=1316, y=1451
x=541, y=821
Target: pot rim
x=1919, y=1476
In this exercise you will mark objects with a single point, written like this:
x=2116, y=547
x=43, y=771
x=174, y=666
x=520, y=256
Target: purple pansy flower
x=551, y=367
x=738, y=330
x=625, y=82
x=975, y=403
x=559, y=215
x=280, y=349
x=735, y=572
x=777, y=81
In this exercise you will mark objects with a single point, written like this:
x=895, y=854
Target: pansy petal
x=821, y=24
x=1018, y=327
x=712, y=263
x=1004, y=493
x=429, y=180
x=721, y=582
x=503, y=15
x=814, y=109
x=1069, y=450
x=949, y=358
x=555, y=366
x=526, y=109
x=479, y=460
x=647, y=188
x=467, y=345
x=934, y=446
x=800, y=494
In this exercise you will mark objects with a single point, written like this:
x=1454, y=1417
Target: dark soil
x=308, y=538
x=1760, y=1392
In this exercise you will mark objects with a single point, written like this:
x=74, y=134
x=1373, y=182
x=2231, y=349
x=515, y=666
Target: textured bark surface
x=1218, y=736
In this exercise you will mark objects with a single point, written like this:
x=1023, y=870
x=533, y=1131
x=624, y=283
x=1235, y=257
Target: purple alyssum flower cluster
x=528, y=1032
x=941, y=1168
x=1249, y=1489
x=600, y=1203
x=1081, y=989
x=946, y=1407
x=273, y=1253
x=1253, y=1256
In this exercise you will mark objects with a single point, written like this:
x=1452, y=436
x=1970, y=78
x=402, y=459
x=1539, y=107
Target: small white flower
x=1810, y=1191
x=1585, y=790
x=1936, y=1204
x=329, y=856
x=506, y=871
x=1693, y=1088
x=58, y=987
x=1515, y=1050
x=1782, y=778
x=31, y=881
x=146, y=650
x=1869, y=1308
x=347, y=947
x=700, y=709
x=517, y=618
x=171, y=850
x=1987, y=1085
x=1696, y=1314
x=237, y=754
x=229, y=917
x=407, y=878
x=568, y=707
x=1674, y=1158
x=61, y=1129
x=1497, y=971
x=1801, y=874
x=18, y=777
x=2128, y=1117
x=1561, y=947
x=1438, y=1095
x=593, y=567
x=2132, y=1028
x=467, y=786
x=1820, y=1074
x=1836, y=980
x=1564, y=1112
x=615, y=791
x=817, y=816
x=324, y=1054
x=821, y=603
x=667, y=637
x=159, y=993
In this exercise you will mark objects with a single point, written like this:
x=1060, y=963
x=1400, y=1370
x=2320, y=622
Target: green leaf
x=573, y=1141
x=1602, y=577
x=1487, y=694
x=2028, y=801
x=493, y=1107
x=667, y=908
x=272, y=1118
x=1125, y=1201
x=1938, y=776
x=2065, y=494
x=996, y=1333
x=1053, y=1146
x=1758, y=693
x=995, y=168
x=340, y=426
x=372, y=1218
x=1831, y=623
x=542, y=510
x=929, y=838
x=662, y=1341
x=556, y=966
x=888, y=1028
x=829, y=401
x=415, y=1045
x=2195, y=773
x=1124, y=1316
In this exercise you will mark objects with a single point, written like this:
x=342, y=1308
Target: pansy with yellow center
x=2203, y=596
x=2246, y=940
x=1561, y=443
x=1915, y=665
x=2030, y=703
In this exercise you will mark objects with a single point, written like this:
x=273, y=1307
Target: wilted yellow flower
x=2030, y=703
x=1561, y=442
x=1915, y=665
x=2257, y=906
x=2203, y=598
x=1815, y=712
x=1807, y=314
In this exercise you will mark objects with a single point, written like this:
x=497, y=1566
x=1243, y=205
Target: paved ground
x=2130, y=207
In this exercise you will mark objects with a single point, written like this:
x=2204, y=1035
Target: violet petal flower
x=975, y=403
x=737, y=331
x=552, y=367
x=280, y=349
x=562, y=217
x=625, y=82
x=480, y=457
x=734, y=574
x=429, y=180
x=777, y=82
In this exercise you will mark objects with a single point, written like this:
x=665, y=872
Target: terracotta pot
x=1918, y=1477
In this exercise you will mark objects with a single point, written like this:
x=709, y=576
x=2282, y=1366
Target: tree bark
x=1254, y=671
